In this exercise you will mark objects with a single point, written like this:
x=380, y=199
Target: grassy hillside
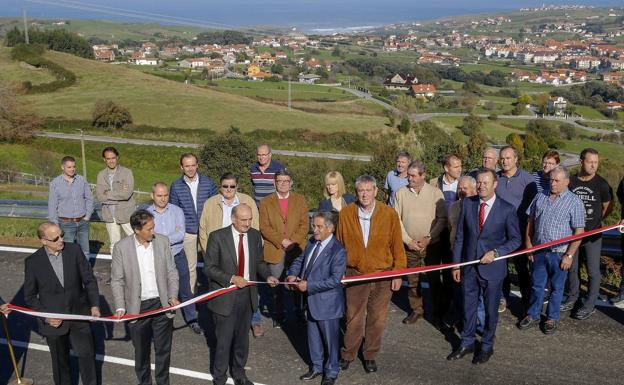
x=163, y=103
x=15, y=72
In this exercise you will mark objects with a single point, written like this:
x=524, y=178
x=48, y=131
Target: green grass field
x=15, y=72
x=163, y=103
x=589, y=113
x=278, y=91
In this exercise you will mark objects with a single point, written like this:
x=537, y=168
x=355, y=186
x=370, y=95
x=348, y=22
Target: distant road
x=146, y=142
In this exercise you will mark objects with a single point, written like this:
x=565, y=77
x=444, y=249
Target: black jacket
x=43, y=291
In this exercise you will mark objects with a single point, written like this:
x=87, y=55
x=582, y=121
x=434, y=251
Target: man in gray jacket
x=144, y=278
x=115, y=190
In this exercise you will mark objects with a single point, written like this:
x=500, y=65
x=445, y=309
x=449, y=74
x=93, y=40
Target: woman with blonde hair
x=336, y=197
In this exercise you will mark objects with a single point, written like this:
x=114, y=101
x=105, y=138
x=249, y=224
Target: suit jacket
x=275, y=228
x=500, y=231
x=126, y=276
x=44, y=292
x=212, y=216
x=326, y=204
x=221, y=263
x=121, y=196
x=325, y=292
x=385, y=249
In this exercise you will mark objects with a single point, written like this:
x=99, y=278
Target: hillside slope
x=163, y=103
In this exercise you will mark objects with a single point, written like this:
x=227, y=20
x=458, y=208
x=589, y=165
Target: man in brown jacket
x=115, y=190
x=284, y=226
x=370, y=231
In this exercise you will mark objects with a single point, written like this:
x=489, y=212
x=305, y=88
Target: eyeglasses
x=282, y=181
x=57, y=238
x=228, y=186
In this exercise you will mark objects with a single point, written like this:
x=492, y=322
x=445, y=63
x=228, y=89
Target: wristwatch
x=568, y=255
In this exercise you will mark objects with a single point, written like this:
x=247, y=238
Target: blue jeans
x=546, y=266
x=189, y=312
x=77, y=232
x=481, y=315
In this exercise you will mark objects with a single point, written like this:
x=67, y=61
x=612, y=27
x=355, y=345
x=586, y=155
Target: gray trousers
x=589, y=251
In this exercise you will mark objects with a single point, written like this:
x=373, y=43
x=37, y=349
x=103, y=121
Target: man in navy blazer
x=317, y=273
x=487, y=228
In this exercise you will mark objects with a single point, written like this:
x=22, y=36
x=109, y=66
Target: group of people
x=455, y=217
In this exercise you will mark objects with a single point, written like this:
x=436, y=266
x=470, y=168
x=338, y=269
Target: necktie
x=482, y=215
x=315, y=253
x=241, y=256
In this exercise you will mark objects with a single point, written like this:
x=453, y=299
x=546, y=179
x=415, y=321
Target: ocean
x=313, y=16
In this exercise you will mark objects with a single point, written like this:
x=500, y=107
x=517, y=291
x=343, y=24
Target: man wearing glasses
x=58, y=279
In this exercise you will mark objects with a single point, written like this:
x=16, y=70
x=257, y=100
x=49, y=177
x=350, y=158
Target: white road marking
x=120, y=361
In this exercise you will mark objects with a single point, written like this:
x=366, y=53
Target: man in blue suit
x=317, y=273
x=487, y=227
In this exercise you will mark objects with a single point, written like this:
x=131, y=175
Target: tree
x=471, y=125
x=515, y=141
x=469, y=102
x=277, y=69
x=405, y=125
x=568, y=131
x=107, y=114
x=229, y=152
x=524, y=99
x=16, y=124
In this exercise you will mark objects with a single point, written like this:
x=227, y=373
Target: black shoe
x=243, y=381
x=328, y=381
x=344, y=364
x=279, y=322
x=584, y=313
x=459, y=353
x=194, y=326
x=527, y=322
x=482, y=357
x=370, y=366
x=310, y=375
x=567, y=306
x=550, y=326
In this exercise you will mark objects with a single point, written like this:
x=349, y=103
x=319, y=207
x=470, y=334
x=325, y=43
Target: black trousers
x=81, y=340
x=160, y=328
x=232, y=334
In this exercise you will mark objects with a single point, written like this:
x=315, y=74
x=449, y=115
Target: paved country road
x=581, y=352
x=147, y=142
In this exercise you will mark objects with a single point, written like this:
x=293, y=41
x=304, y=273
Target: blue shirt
x=264, y=181
x=69, y=200
x=556, y=219
x=519, y=190
x=542, y=181
x=170, y=223
x=393, y=183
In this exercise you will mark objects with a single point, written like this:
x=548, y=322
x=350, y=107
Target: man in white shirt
x=143, y=278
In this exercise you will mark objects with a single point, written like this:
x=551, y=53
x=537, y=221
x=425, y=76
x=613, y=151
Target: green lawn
x=589, y=113
x=278, y=91
x=163, y=103
x=18, y=72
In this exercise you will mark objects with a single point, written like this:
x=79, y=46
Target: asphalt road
x=581, y=352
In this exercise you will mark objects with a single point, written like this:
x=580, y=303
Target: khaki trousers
x=415, y=259
x=367, y=307
x=114, y=232
x=190, y=249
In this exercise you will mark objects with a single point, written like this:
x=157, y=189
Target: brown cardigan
x=275, y=228
x=385, y=249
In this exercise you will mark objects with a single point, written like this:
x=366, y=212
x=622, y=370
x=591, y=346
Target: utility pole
x=289, y=95
x=26, y=40
x=84, y=157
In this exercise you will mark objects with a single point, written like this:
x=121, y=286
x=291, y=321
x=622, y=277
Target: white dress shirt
x=145, y=259
x=193, y=185
x=322, y=247
x=488, y=207
x=365, y=223
x=235, y=236
x=227, y=210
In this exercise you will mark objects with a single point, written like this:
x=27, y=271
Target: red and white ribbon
x=358, y=278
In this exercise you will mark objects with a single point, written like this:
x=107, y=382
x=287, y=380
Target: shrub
x=108, y=114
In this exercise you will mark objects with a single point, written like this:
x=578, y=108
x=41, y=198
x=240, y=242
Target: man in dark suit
x=318, y=272
x=144, y=278
x=234, y=257
x=487, y=227
x=58, y=279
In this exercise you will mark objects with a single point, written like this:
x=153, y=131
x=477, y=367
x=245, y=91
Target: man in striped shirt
x=263, y=173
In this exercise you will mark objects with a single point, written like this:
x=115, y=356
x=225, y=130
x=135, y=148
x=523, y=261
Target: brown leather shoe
x=411, y=318
x=258, y=330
